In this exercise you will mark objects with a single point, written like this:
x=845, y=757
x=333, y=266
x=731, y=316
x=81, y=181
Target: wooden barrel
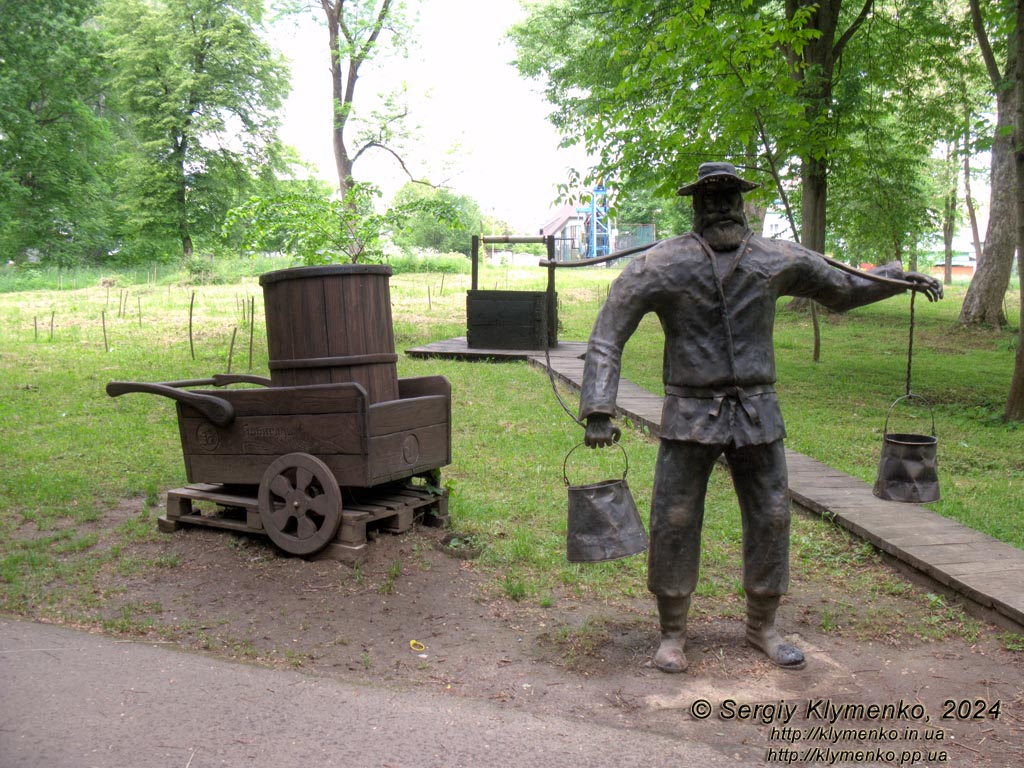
x=332, y=325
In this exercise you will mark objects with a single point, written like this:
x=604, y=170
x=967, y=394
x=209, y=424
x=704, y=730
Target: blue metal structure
x=596, y=229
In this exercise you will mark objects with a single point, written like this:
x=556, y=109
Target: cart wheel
x=300, y=503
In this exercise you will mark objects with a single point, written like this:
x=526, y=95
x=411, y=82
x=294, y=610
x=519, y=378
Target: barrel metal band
x=334, y=362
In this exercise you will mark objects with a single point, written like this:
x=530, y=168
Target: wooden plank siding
x=362, y=444
x=506, y=319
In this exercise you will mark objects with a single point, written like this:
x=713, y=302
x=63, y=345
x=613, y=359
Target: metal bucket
x=603, y=520
x=908, y=469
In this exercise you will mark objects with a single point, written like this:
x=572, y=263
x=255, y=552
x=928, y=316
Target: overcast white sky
x=483, y=129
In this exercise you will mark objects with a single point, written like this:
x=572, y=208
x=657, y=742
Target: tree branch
x=382, y=16
x=852, y=29
x=769, y=154
x=986, y=46
x=394, y=154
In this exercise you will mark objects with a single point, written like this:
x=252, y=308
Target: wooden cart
x=310, y=466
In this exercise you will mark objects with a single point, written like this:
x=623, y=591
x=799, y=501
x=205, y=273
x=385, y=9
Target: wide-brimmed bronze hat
x=723, y=174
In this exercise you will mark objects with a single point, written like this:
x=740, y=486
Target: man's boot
x=761, y=633
x=672, y=612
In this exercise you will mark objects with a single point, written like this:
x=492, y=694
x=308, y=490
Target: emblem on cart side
x=207, y=438
x=411, y=449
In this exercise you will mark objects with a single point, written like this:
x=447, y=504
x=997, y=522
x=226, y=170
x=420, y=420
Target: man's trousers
x=677, y=515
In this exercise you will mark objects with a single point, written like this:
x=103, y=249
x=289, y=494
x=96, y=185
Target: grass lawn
x=70, y=452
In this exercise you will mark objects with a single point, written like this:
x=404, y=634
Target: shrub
x=429, y=261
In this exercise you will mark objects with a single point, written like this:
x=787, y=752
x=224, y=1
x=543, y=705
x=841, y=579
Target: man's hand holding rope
x=925, y=284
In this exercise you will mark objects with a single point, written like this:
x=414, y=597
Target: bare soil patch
x=412, y=615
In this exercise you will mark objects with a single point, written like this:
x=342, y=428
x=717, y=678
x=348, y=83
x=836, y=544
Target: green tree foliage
x=653, y=89
x=424, y=229
x=670, y=215
x=882, y=211
x=306, y=222
x=54, y=142
x=195, y=88
x=783, y=89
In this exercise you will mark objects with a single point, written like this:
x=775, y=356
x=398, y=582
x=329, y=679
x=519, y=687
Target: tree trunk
x=343, y=88
x=814, y=184
x=339, y=115
x=755, y=215
x=183, y=230
x=983, y=303
x=949, y=215
x=815, y=196
x=947, y=242
x=181, y=199
x=1015, y=401
x=972, y=214
x=814, y=69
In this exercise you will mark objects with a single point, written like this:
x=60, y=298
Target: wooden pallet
x=392, y=508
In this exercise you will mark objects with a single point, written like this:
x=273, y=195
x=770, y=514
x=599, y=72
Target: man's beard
x=725, y=235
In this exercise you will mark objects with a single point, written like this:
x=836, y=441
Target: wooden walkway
x=986, y=572
x=458, y=349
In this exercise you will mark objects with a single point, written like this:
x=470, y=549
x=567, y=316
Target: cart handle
x=224, y=379
x=216, y=409
x=221, y=380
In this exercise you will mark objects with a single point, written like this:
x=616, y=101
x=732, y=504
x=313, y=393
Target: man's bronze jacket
x=717, y=310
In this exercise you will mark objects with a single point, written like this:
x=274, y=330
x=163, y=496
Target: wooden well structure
x=511, y=319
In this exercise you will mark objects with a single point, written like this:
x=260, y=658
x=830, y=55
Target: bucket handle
x=896, y=402
x=565, y=462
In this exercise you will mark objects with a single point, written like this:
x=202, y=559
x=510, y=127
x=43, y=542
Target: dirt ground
x=415, y=615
